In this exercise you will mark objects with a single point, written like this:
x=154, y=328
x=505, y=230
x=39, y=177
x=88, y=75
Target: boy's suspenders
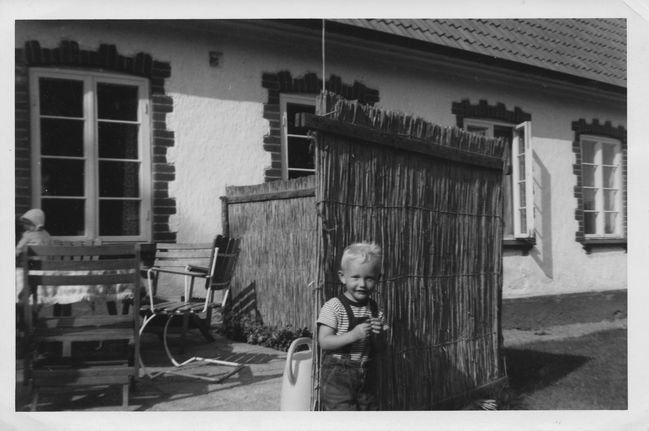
x=353, y=320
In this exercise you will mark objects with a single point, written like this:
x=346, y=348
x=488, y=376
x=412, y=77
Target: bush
x=250, y=329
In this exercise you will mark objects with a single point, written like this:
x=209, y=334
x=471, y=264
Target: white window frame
x=91, y=186
x=284, y=100
x=525, y=129
x=599, y=188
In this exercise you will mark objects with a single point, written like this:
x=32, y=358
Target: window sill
x=591, y=243
x=522, y=244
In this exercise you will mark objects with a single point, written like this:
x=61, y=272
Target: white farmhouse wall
x=219, y=128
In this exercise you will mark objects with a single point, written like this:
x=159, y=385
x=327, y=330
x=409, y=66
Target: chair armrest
x=194, y=268
x=179, y=272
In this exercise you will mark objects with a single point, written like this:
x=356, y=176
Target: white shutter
x=522, y=183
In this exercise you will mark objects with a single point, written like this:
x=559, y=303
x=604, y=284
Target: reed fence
x=276, y=222
x=432, y=198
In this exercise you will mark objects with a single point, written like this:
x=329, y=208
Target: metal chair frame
x=188, y=307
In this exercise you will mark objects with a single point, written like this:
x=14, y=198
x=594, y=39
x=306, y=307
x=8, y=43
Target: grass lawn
x=587, y=372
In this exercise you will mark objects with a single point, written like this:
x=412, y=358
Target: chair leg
x=237, y=366
x=125, y=395
x=184, y=332
x=34, y=400
x=204, y=326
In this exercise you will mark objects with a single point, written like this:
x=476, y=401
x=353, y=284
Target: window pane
x=297, y=174
x=300, y=153
x=609, y=176
x=119, y=179
x=521, y=194
x=504, y=132
x=62, y=177
x=119, y=218
x=588, y=175
x=609, y=200
x=523, y=219
x=61, y=137
x=521, y=167
x=61, y=97
x=117, y=102
x=118, y=141
x=588, y=151
x=478, y=130
x=610, y=222
x=521, y=141
x=64, y=216
x=589, y=199
x=295, y=116
x=608, y=154
x=590, y=222
x=508, y=206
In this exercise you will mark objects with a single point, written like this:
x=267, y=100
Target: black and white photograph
x=274, y=215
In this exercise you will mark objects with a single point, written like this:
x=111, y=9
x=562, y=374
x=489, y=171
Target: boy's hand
x=362, y=330
x=377, y=325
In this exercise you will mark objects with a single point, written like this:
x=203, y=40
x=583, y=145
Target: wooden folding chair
x=81, y=276
x=214, y=264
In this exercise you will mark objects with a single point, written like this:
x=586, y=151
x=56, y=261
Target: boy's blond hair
x=364, y=251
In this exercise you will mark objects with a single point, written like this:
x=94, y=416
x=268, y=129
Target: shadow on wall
x=542, y=252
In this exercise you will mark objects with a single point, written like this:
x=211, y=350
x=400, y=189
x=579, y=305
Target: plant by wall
x=250, y=329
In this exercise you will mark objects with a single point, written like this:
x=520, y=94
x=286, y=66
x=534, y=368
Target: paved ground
x=258, y=385
x=255, y=387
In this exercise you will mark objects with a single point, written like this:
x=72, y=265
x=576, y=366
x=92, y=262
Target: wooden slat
x=182, y=254
x=261, y=197
x=75, y=250
x=104, y=375
x=99, y=334
x=179, y=263
x=84, y=321
x=83, y=265
x=80, y=280
x=182, y=246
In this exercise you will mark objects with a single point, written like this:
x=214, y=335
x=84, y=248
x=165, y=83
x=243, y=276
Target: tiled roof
x=594, y=49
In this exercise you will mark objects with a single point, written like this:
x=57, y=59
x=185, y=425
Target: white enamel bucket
x=296, y=382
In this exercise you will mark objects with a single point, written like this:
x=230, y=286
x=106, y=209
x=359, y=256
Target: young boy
x=33, y=222
x=349, y=327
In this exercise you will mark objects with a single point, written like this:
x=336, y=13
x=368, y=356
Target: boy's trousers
x=347, y=385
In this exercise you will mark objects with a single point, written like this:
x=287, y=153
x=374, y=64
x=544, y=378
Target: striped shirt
x=333, y=315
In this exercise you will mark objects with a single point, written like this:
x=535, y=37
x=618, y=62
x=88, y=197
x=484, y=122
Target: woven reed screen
x=276, y=222
x=432, y=198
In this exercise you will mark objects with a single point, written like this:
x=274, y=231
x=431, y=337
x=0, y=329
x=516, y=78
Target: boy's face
x=359, y=278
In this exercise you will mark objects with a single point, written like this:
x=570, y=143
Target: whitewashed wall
x=219, y=127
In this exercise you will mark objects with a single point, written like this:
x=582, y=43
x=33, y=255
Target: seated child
x=348, y=327
x=33, y=222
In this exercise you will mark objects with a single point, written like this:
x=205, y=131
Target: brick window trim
x=105, y=58
x=309, y=83
x=497, y=112
x=605, y=129
x=483, y=110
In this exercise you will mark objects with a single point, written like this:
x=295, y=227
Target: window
x=518, y=211
x=601, y=163
x=297, y=146
x=90, y=158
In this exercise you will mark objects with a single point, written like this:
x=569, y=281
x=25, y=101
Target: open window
x=518, y=211
x=297, y=147
x=90, y=154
